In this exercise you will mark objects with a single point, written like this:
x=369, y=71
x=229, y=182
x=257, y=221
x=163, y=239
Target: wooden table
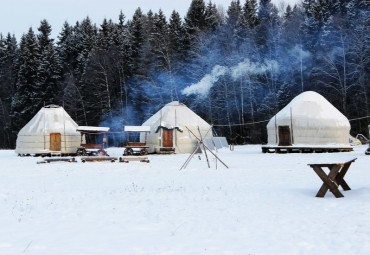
x=334, y=179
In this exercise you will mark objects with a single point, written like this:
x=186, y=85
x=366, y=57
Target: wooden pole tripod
x=205, y=148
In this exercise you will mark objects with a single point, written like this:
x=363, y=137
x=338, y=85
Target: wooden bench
x=334, y=179
x=49, y=160
x=128, y=159
x=97, y=158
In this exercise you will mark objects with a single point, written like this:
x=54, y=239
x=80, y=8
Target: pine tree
x=84, y=40
x=233, y=13
x=137, y=40
x=25, y=101
x=160, y=41
x=176, y=36
x=212, y=17
x=106, y=34
x=195, y=22
x=247, y=20
x=49, y=68
x=267, y=25
x=8, y=55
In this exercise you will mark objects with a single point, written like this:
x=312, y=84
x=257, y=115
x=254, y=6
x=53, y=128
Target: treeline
x=235, y=67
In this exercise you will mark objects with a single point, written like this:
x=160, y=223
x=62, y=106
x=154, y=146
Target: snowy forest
x=234, y=66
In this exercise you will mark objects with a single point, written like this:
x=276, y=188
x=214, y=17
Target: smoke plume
x=246, y=67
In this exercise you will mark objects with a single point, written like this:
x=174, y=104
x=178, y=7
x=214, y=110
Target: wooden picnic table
x=334, y=178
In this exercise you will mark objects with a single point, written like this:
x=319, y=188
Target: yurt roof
x=175, y=114
x=313, y=106
x=49, y=119
x=137, y=129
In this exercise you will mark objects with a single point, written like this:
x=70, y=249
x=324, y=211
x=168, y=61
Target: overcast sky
x=17, y=16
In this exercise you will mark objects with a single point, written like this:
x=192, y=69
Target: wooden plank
x=97, y=158
x=128, y=159
x=327, y=164
x=135, y=144
x=291, y=149
x=49, y=160
x=340, y=177
x=136, y=147
x=92, y=146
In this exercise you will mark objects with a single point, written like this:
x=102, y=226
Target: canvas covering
x=177, y=117
x=312, y=121
x=34, y=137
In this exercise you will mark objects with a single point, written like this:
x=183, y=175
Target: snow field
x=263, y=204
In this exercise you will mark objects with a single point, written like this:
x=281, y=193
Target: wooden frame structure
x=86, y=149
x=334, y=179
x=205, y=148
x=136, y=148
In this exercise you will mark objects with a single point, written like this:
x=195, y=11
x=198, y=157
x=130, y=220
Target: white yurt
x=169, y=129
x=309, y=119
x=51, y=130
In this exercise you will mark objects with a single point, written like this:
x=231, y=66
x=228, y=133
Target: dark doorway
x=284, y=136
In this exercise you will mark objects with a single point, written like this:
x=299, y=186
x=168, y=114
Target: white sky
x=17, y=16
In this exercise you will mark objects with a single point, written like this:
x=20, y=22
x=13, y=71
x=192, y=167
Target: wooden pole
x=175, y=128
x=276, y=133
x=44, y=126
x=198, y=146
x=65, y=137
x=204, y=147
x=190, y=157
x=160, y=131
x=291, y=124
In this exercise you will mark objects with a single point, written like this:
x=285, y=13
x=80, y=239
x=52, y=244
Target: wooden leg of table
x=340, y=177
x=328, y=181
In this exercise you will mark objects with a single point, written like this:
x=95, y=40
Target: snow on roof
x=52, y=106
x=311, y=105
x=137, y=128
x=174, y=115
x=93, y=129
x=311, y=119
x=50, y=119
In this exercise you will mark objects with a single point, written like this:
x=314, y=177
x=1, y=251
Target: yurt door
x=284, y=136
x=55, y=142
x=167, y=138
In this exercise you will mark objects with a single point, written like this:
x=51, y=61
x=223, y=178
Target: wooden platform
x=166, y=150
x=128, y=159
x=59, y=159
x=98, y=159
x=303, y=149
x=136, y=150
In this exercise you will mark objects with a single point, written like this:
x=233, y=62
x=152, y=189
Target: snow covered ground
x=263, y=204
